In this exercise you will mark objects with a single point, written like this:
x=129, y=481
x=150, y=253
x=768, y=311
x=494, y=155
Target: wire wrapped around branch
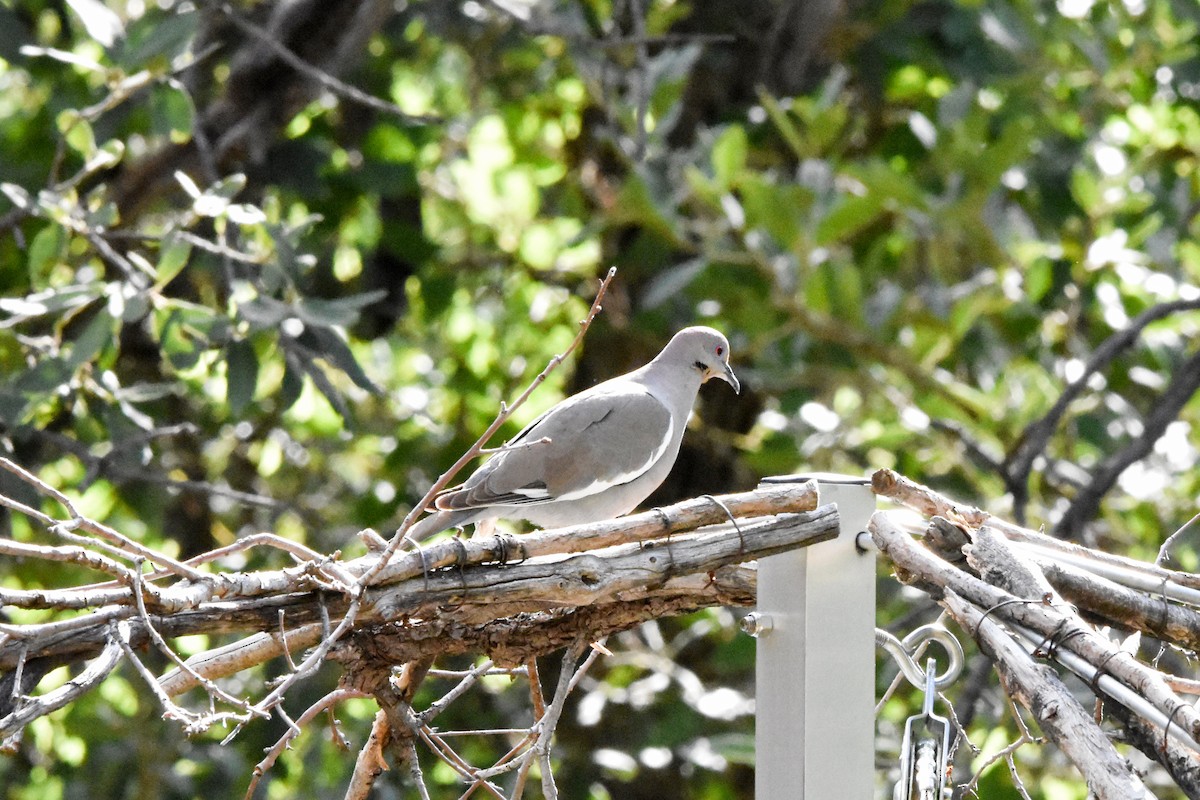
x=490, y=594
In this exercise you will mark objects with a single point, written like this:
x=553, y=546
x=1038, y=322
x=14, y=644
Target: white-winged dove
x=597, y=454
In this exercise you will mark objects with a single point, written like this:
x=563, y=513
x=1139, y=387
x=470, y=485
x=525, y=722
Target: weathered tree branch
x=1185, y=381
x=1180, y=762
x=1062, y=630
x=518, y=598
x=454, y=596
x=513, y=639
x=1061, y=718
x=410, y=592
x=1122, y=606
x=1033, y=440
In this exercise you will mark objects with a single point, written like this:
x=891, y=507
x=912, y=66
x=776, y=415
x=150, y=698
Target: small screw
x=757, y=624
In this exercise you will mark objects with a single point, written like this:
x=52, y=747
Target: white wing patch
x=620, y=478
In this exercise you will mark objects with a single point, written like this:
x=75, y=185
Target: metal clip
x=925, y=749
x=901, y=651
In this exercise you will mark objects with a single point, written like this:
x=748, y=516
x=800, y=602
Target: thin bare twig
x=78, y=521
x=1164, y=552
x=325, y=703
x=1005, y=753
x=357, y=589
x=198, y=723
x=506, y=411
x=1033, y=440
x=1184, y=383
x=334, y=85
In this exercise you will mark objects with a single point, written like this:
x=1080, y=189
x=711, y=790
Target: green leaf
x=99, y=332
x=185, y=330
x=729, y=155
x=155, y=36
x=172, y=114
x=172, y=258
x=784, y=126
x=291, y=386
x=852, y=214
x=343, y=311
x=50, y=301
x=46, y=249
x=671, y=282
x=843, y=287
x=107, y=157
x=1085, y=189
x=779, y=209
x=328, y=390
x=241, y=375
x=77, y=131
x=327, y=342
x=44, y=378
x=736, y=748
x=639, y=203
x=228, y=187
x=106, y=216
x=1039, y=279
x=264, y=312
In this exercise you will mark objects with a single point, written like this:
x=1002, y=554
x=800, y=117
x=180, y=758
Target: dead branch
x=517, y=638
x=1062, y=719
x=1180, y=762
x=515, y=596
x=1059, y=629
x=1148, y=613
x=518, y=598
x=257, y=599
x=931, y=503
x=989, y=573
x=370, y=763
x=30, y=708
x=479, y=593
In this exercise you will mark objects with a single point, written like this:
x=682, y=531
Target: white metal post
x=815, y=721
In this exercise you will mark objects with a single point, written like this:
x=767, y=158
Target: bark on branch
x=514, y=597
x=1064, y=721
x=990, y=573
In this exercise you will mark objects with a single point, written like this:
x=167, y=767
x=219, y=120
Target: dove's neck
x=674, y=385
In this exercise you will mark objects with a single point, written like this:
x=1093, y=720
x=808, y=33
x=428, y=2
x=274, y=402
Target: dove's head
x=706, y=350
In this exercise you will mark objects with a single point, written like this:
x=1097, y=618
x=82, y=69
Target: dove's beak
x=727, y=375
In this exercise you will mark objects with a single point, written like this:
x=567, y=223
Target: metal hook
x=901, y=651
x=930, y=687
x=925, y=750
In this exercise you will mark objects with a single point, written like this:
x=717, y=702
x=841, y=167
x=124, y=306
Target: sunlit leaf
x=78, y=132
x=45, y=250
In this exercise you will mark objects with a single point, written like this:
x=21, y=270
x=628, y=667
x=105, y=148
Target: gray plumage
x=597, y=454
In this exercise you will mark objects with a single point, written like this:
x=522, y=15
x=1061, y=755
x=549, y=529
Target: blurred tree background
x=274, y=265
